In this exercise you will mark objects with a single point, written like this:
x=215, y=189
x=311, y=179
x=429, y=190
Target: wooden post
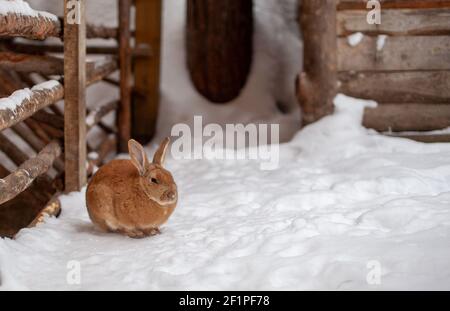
x=219, y=46
x=75, y=95
x=318, y=81
x=124, y=112
x=147, y=69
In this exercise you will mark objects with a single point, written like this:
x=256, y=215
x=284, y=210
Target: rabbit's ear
x=160, y=154
x=138, y=156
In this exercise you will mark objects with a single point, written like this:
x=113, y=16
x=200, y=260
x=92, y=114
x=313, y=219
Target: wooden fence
x=402, y=63
x=29, y=110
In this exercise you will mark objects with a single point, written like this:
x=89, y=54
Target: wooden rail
x=21, y=179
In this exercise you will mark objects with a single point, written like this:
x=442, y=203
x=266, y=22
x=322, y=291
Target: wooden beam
x=47, y=65
x=123, y=119
x=407, y=117
x=95, y=116
x=406, y=22
x=21, y=179
x=147, y=70
x=97, y=71
x=398, y=53
x=52, y=208
x=100, y=32
x=400, y=87
x=75, y=100
x=24, y=103
x=34, y=141
x=318, y=81
x=12, y=151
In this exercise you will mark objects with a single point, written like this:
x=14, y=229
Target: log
x=407, y=22
x=12, y=151
x=24, y=103
x=47, y=65
x=407, y=117
x=100, y=32
x=97, y=157
x=53, y=208
x=95, y=116
x=219, y=46
x=97, y=71
x=38, y=130
x=34, y=141
x=394, y=4
x=37, y=27
x=147, y=70
x=318, y=81
x=75, y=100
x=51, y=119
x=21, y=179
x=123, y=119
x=398, y=53
x=401, y=87
x=28, y=135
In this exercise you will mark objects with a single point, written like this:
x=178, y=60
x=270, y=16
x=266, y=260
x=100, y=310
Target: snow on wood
x=24, y=103
x=21, y=179
x=355, y=39
x=18, y=19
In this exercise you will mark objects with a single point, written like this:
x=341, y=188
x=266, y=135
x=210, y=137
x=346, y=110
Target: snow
x=23, y=8
x=17, y=98
x=344, y=197
x=381, y=41
x=355, y=39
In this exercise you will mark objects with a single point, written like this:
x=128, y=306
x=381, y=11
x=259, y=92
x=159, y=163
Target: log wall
x=402, y=63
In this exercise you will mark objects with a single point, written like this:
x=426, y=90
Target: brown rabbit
x=133, y=197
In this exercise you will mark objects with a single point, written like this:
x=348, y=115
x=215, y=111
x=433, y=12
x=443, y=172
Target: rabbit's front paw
x=152, y=231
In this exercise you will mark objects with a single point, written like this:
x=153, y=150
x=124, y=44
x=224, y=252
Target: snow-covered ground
x=345, y=203
x=344, y=199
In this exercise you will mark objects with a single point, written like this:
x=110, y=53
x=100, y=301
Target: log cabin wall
x=402, y=63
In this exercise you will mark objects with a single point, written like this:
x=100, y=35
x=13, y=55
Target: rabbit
x=133, y=197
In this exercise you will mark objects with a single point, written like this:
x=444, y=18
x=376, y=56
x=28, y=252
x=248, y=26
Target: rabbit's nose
x=171, y=195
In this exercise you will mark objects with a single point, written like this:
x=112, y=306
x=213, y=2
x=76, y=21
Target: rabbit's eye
x=155, y=181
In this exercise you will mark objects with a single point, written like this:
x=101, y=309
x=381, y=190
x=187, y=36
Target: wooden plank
x=147, y=70
x=317, y=83
x=21, y=179
x=75, y=99
x=39, y=97
x=402, y=87
x=404, y=22
x=398, y=53
x=393, y=4
x=123, y=119
x=407, y=117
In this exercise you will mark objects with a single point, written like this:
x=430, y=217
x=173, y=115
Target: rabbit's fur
x=133, y=197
